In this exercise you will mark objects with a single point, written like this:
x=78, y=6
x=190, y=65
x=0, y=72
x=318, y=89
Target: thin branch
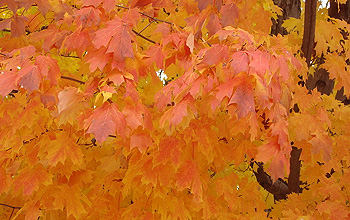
x=120, y=6
x=13, y=210
x=156, y=19
x=10, y=206
x=149, y=16
x=146, y=26
x=70, y=56
x=71, y=79
x=144, y=37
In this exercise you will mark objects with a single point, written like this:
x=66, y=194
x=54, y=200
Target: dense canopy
x=172, y=109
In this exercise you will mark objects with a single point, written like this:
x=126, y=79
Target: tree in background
x=236, y=130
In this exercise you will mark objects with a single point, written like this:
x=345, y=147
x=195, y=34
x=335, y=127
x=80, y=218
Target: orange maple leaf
x=188, y=176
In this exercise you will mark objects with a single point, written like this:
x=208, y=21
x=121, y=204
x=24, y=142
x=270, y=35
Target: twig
x=71, y=79
x=70, y=56
x=10, y=206
x=156, y=19
x=146, y=26
x=142, y=36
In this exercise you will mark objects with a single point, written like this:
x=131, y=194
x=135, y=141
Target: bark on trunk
x=290, y=8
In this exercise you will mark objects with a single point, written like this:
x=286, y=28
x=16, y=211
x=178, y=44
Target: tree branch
x=294, y=174
x=10, y=206
x=278, y=189
x=144, y=37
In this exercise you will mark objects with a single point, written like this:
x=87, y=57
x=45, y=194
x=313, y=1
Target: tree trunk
x=341, y=11
x=290, y=8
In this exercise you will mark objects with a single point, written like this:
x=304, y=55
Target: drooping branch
x=280, y=189
x=309, y=30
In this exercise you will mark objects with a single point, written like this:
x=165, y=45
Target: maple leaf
x=229, y=14
x=321, y=141
x=176, y=114
x=79, y=40
x=30, y=179
x=116, y=38
x=216, y=54
x=63, y=148
x=141, y=141
x=104, y=121
x=18, y=25
x=188, y=176
x=169, y=150
x=273, y=151
x=260, y=62
x=280, y=63
x=131, y=17
x=49, y=68
x=71, y=198
x=136, y=115
x=213, y=25
x=244, y=97
x=7, y=82
x=88, y=15
x=98, y=59
x=30, y=77
x=156, y=55
x=239, y=62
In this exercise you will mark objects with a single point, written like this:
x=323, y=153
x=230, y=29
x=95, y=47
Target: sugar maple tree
x=90, y=131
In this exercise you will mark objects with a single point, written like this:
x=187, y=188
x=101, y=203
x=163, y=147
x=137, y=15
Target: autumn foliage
x=90, y=129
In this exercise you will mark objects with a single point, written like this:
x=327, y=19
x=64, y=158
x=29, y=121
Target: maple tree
x=90, y=130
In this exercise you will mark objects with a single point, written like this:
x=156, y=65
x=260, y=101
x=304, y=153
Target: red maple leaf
x=244, y=97
x=216, y=54
x=7, y=82
x=104, y=121
x=229, y=14
x=30, y=77
x=116, y=38
x=239, y=62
